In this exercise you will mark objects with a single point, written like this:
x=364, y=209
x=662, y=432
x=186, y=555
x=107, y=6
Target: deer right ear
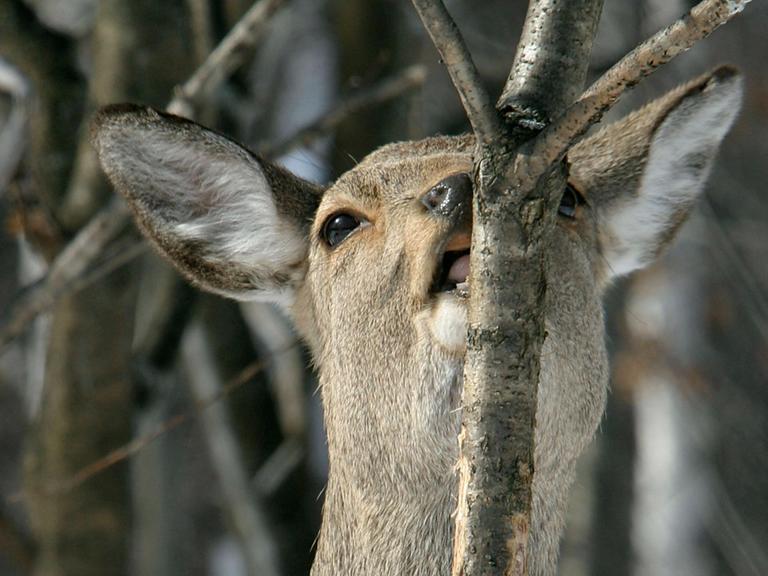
x=230, y=222
x=643, y=174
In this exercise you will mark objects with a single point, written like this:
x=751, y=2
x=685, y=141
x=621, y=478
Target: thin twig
x=226, y=57
x=278, y=466
x=200, y=19
x=269, y=327
x=13, y=137
x=702, y=20
x=136, y=445
x=247, y=517
x=453, y=51
x=90, y=242
x=387, y=89
x=71, y=263
x=117, y=255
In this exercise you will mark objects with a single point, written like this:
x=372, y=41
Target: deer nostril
x=446, y=195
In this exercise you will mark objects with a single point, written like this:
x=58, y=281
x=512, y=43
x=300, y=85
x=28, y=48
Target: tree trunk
x=86, y=408
x=506, y=319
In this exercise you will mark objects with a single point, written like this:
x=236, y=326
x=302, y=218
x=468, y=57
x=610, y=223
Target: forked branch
x=225, y=58
x=453, y=51
x=506, y=319
x=700, y=22
x=383, y=91
x=518, y=180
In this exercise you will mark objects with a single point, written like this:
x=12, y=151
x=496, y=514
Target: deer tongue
x=459, y=270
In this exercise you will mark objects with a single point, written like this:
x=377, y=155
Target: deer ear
x=643, y=174
x=230, y=222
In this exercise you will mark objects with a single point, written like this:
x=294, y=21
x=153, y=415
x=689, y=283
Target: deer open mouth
x=453, y=267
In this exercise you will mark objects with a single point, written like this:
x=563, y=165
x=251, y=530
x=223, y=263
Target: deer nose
x=448, y=194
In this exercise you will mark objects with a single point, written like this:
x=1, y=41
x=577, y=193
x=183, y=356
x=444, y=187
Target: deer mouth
x=452, y=271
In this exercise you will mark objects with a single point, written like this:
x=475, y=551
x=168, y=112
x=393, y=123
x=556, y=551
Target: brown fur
x=390, y=372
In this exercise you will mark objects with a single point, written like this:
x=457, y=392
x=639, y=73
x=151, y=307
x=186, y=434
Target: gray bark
x=506, y=319
x=551, y=61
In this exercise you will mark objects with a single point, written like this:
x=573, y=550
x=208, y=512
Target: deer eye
x=338, y=227
x=570, y=201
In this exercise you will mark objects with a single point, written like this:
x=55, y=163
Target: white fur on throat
x=448, y=323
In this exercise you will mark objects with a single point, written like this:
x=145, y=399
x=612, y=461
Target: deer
x=373, y=268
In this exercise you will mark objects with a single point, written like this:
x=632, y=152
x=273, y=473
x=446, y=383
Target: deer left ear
x=659, y=160
x=229, y=221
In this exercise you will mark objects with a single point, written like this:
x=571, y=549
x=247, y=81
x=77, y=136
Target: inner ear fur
x=643, y=173
x=230, y=221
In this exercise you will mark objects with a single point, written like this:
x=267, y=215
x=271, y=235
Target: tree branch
x=92, y=239
x=247, y=518
x=551, y=61
x=387, y=89
x=454, y=54
x=126, y=451
x=16, y=546
x=71, y=263
x=80, y=256
x=506, y=319
x=225, y=58
x=702, y=20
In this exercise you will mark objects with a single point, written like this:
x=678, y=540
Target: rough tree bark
x=506, y=319
x=518, y=177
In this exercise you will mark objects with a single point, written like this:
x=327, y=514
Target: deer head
x=373, y=270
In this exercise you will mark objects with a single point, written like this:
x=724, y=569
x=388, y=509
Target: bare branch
x=202, y=27
x=702, y=20
x=71, y=263
x=13, y=137
x=386, y=90
x=136, y=445
x=90, y=242
x=506, y=319
x=278, y=466
x=551, y=61
x=242, y=506
x=453, y=51
x=226, y=57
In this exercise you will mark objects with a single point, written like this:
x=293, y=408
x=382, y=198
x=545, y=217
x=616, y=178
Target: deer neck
x=392, y=426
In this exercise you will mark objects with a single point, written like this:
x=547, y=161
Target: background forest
x=148, y=428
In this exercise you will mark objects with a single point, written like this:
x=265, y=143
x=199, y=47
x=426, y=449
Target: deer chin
x=446, y=317
x=447, y=323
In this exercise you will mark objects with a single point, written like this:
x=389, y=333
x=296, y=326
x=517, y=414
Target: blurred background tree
x=226, y=467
